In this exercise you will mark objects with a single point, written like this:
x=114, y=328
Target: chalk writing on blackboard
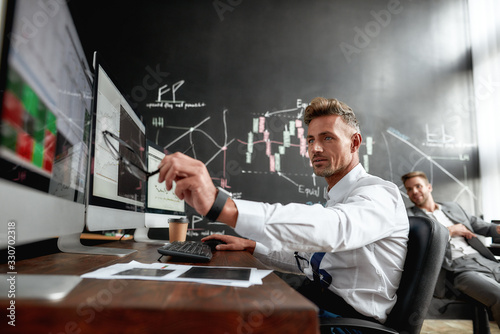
x=220, y=149
x=438, y=137
x=432, y=160
x=166, y=99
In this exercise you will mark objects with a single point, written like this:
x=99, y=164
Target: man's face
x=418, y=190
x=330, y=145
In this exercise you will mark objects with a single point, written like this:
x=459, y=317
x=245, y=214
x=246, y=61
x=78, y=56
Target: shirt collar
x=339, y=190
x=438, y=207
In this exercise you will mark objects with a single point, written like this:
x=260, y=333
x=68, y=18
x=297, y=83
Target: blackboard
x=232, y=78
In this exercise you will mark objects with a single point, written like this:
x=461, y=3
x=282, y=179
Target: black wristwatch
x=218, y=205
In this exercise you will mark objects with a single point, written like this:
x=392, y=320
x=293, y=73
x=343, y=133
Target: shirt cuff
x=250, y=222
x=260, y=249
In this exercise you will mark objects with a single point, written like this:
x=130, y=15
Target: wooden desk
x=139, y=306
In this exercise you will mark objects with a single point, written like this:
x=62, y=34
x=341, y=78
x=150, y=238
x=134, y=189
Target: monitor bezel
x=104, y=214
x=92, y=199
x=45, y=215
x=158, y=218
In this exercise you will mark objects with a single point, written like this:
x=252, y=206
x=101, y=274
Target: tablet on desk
x=241, y=274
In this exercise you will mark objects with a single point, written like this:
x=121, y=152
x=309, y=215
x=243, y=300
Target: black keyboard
x=187, y=251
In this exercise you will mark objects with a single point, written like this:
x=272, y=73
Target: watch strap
x=218, y=205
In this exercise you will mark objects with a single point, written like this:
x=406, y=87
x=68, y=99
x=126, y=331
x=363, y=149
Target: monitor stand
x=141, y=235
x=71, y=244
x=45, y=287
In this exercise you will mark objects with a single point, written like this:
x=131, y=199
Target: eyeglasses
x=131, y=160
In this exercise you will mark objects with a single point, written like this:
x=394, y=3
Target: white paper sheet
x=229, y=276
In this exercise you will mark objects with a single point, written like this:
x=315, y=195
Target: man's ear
x=356, y=140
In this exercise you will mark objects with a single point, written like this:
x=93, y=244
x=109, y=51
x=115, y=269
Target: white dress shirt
x=363, y=229
x=459, y=247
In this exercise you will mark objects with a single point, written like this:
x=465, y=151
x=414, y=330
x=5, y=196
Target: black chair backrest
x=427, y=241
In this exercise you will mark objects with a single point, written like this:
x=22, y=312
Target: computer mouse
x=213, y=243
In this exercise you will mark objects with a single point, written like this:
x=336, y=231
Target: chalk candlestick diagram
x=273, y=137
x=280, y=135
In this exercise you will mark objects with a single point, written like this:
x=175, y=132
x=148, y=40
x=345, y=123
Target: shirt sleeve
x=282, y=261
x=368, y=214
x=478, y=225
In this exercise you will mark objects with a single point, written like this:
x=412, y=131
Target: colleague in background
x=474, y=269
x=353, y=250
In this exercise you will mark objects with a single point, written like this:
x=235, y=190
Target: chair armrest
x=365, y=326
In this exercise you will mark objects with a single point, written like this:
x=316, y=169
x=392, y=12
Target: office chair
x=446, y=290
x=426, y=246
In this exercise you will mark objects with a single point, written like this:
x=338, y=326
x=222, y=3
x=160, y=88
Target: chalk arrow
x=270, y=113
x=287, y=178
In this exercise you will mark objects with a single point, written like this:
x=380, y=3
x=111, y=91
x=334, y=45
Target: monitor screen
x=45, y=94
x=161, y=204
x=116, y=198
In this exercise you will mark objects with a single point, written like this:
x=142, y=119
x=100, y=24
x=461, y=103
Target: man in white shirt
x=473, y=268
x=353, y=249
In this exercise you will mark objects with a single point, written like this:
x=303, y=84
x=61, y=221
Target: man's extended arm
x=194, y=185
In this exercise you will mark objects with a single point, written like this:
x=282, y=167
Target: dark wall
x=240, y=67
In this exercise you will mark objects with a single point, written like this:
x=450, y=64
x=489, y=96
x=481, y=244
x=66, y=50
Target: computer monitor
x=116, y=197
x=45, y=96
x=119, y=199
x=161, y=204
